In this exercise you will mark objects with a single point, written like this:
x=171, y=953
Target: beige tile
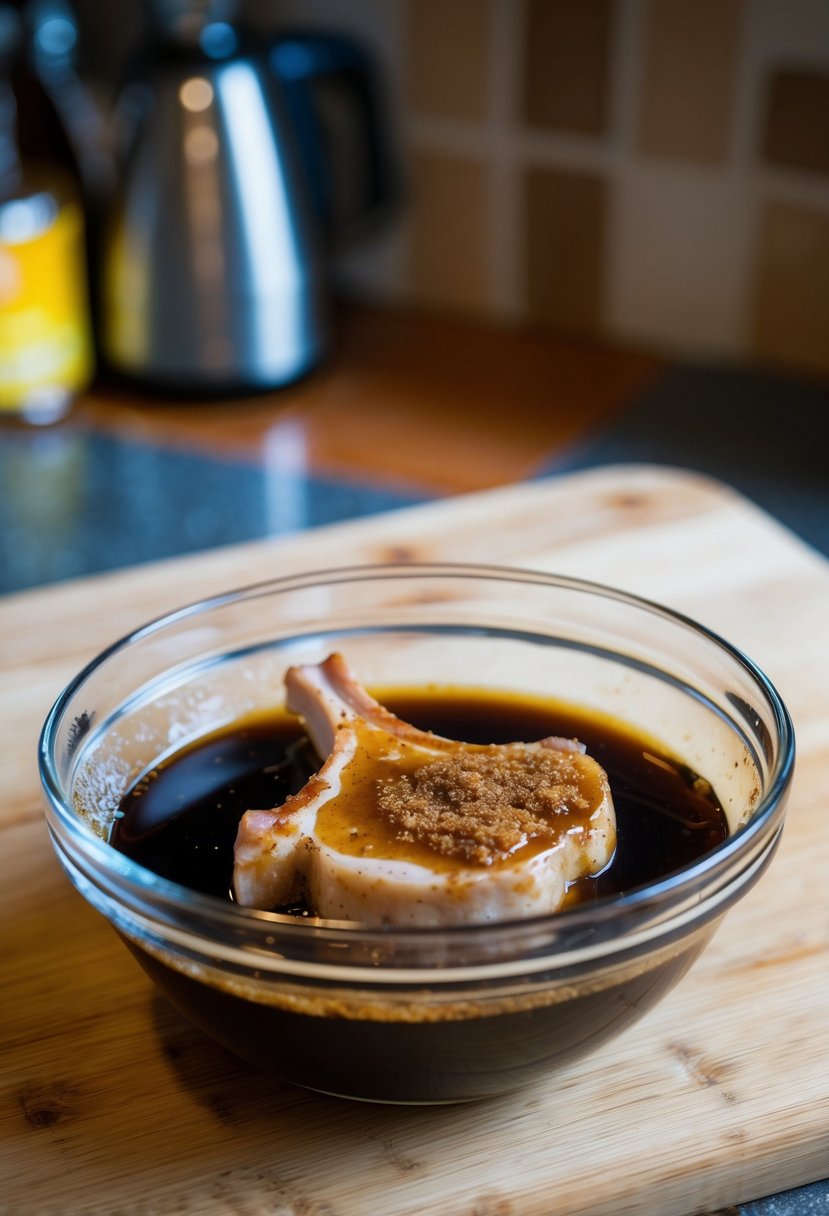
x=449, y=245
x=791, y=304
x=564, y=251
x=680, y=251
x=797, y=119
x=566, y=65
x=447, y=53
x=690, y=50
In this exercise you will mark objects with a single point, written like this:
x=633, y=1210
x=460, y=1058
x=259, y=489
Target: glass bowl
x=417, y=1015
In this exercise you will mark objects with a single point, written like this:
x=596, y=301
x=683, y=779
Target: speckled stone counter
x=765, y=435
x=76, y=500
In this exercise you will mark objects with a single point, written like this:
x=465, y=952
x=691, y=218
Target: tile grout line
x=625, y=73
x=741, y=167
x=505, y=229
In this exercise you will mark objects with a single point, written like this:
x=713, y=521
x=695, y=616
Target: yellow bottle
x=46, y=351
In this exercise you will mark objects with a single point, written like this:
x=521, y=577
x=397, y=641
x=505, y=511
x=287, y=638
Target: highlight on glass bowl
x=417, y=833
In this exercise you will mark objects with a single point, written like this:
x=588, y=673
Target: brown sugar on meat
x=481, y=806
x=405, y=827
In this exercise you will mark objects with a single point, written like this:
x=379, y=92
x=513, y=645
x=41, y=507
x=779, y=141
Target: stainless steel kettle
x=214, y=267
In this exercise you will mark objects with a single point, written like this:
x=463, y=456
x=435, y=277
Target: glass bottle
x=46, y=351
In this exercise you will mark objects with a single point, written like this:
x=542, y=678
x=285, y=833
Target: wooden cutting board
x=110, y=1103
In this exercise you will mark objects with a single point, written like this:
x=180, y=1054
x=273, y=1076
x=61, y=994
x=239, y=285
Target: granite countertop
x=408, y=409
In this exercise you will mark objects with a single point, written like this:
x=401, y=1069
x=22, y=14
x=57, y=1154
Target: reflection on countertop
x=410, y=409
x=74, y=502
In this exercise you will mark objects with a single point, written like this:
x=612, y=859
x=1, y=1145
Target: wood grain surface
x=111, y=1103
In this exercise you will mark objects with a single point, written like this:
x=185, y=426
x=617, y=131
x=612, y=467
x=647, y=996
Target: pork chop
x=403, y=827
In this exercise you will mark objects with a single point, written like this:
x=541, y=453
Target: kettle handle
x=333, y=94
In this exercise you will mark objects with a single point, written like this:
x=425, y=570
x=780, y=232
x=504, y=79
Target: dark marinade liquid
x=180, y=819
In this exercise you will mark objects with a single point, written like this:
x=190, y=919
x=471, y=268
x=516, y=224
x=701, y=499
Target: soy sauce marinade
x=180, y=819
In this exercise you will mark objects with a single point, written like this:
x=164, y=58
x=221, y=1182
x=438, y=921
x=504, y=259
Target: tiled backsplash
x=656, y=171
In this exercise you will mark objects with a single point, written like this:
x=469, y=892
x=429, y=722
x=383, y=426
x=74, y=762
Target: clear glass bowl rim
x=229, y=920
